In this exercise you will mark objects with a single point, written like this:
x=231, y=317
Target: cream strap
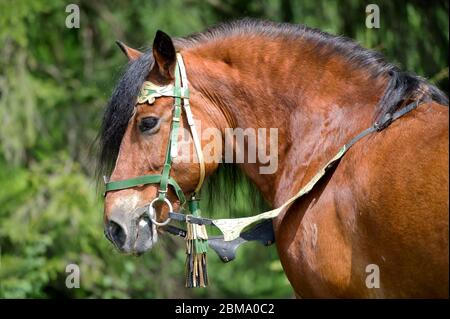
x=191, y=123
x=231, y=228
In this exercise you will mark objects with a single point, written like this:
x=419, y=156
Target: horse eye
x=149, y=125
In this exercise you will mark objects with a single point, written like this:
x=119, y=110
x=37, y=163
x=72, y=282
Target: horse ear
x=165, y=54
x=131, y=53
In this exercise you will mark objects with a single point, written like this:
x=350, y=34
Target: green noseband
x=144, y=180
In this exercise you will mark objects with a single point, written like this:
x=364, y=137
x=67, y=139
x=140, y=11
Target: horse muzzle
x=131, y=233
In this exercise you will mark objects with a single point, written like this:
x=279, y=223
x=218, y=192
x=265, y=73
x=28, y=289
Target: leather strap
x=191, y=123
x=190, y=218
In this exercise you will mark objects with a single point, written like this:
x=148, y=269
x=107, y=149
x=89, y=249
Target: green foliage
x=54, y=83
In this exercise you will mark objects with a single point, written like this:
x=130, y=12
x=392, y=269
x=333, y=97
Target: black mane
x=120, y=109
x=401, y=86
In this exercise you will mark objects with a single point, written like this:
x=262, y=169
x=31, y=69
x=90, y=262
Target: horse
x=381, y=210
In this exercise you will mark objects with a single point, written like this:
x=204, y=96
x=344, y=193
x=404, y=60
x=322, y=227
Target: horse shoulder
x=400, y=185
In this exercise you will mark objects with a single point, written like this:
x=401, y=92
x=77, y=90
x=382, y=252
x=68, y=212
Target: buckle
x=385, y=121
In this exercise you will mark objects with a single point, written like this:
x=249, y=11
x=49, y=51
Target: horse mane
x=404, y=86
x=401, y=85
x=119, y=111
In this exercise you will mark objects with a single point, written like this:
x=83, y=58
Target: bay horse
x=385, y=203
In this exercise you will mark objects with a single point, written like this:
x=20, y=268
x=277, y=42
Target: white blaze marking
x=142, y=223
x=127, y=203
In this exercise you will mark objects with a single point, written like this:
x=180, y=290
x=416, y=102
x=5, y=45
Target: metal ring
x=187, y=218
x=151, y=212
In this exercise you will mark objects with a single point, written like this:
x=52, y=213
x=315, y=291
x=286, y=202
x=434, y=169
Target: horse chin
x=147, y=236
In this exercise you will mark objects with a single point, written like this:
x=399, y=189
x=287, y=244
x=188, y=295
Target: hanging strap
x=231, y=228
x=193, y=129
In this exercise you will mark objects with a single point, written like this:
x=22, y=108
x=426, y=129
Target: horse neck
x=316, y=105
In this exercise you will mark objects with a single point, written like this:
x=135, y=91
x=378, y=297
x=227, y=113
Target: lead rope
x=196, y=236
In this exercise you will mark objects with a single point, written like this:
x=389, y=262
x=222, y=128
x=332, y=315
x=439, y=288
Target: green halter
x=180, y=92
x=196, y=236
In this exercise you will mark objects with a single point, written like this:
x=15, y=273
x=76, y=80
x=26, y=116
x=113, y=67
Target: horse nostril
x=117, y=234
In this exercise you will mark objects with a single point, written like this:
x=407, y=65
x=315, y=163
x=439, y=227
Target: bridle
x=197, y=239
x=180, y=92
x=196, y=235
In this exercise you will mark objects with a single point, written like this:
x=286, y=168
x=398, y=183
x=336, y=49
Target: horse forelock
x=120, y=109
